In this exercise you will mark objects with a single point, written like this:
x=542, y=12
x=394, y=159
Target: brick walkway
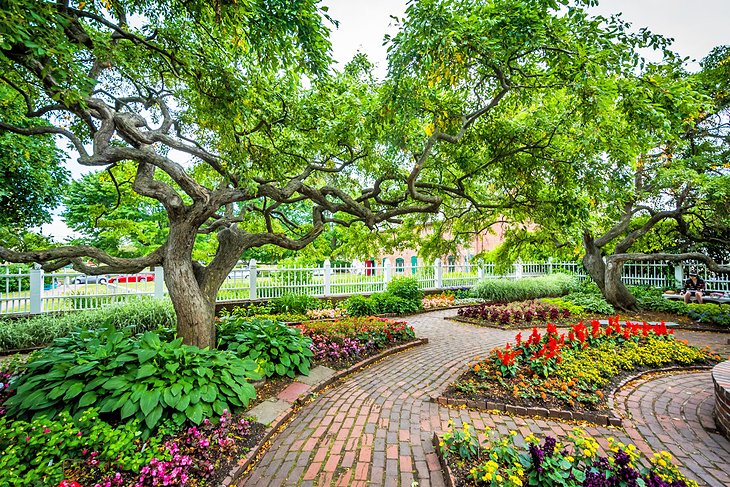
x=375, y=428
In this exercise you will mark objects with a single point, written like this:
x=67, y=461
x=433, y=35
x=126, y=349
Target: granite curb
x=244, y=464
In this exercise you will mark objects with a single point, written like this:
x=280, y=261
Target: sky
x=695, y=25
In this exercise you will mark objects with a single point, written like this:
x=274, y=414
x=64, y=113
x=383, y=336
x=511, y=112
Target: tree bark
x=607, y=276
x=614, y=290
x=195, y=308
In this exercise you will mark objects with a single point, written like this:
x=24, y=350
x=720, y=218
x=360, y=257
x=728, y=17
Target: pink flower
x=27, y=438
x=46, y=430
x=79, y=434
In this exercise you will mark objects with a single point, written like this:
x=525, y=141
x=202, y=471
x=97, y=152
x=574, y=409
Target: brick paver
x=375, y=428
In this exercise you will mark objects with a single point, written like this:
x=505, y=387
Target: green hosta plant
x=139, y=377
x=279, y=349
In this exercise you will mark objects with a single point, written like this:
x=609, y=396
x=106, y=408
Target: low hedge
x=522, y=289
x=141, y=314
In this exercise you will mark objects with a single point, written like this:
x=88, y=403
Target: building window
x=399, y=265
x=414, y=264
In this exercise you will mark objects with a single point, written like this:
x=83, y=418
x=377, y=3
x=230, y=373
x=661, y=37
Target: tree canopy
x=228, y=116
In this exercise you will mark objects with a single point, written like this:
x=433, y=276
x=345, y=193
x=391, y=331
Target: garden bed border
x=721, y=411
x=608, y=418
x=244, y=464
x=449, y=478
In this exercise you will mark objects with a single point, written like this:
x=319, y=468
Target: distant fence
x=37, y=292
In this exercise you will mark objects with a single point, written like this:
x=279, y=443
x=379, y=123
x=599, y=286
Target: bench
x=706, y=298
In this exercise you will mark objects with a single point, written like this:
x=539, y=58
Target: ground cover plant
x=345, y=341
x=518, y=314
x=575, y=369
x=505, y=290
x=500, y=462
x=707, y=313
x=92, y=452
x=141, y=314
x=443, y=300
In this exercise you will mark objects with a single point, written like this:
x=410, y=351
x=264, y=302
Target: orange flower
x=543, y=396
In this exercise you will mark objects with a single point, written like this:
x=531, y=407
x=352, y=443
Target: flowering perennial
x=498, y=462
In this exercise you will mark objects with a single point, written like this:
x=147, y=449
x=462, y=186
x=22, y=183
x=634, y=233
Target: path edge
x=244, y=464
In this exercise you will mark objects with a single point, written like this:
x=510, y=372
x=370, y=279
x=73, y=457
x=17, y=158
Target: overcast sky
x=695, y=25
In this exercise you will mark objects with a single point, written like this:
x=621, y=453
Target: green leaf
x=73, y=391
x=209, y=393
x=145, y=354
x=87, y=399
x=116, y=383
x=146, y=370
x=129, y=408
x=153, y=417
x=149, y=401
x=80, y=369
x=194, y=413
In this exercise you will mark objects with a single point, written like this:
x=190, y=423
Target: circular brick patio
x=375, y=428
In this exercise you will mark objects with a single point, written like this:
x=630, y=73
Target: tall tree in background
x=31, y=175
x=242, y=90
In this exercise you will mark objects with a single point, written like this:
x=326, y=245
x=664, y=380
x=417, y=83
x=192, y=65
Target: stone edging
x=721, y=411
x=449, y=478
x=252, y=456
x=501, y=407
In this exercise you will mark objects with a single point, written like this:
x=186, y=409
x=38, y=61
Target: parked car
x=141, y=277
x=84, y=279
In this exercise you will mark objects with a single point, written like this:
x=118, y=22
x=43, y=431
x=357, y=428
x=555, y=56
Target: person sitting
x=694, y=286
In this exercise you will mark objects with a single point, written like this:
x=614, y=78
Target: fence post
x=36, y=291
x=387, y=272
x=159, y=282
x=252, y=279
x=518, y=269
x=327, y=277
x=550, y=265
x=438, y=272
x=679, y=275
x=480, y=271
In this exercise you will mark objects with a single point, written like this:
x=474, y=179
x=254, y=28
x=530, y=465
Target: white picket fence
x=38, y=292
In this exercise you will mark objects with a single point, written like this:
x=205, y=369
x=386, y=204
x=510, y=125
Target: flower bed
x=573, y=370
x=343, y=342
x=514, y=315
x=499, y=462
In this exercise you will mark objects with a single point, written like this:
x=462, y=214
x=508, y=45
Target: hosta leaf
x=146, y=370
x=129, y=408
x=149, y=401
x=80, y=369
x=116, y=383
x=194, y=413
x=87, y=399
x=73, y=391
x=153, y=417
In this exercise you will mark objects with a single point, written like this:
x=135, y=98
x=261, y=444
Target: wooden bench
x=706, y=298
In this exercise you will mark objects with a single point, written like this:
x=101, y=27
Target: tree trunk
x=615, y=292
x=195, y=309
x=607, y=276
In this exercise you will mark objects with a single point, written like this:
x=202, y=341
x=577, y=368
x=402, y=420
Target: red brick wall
x=721, y=379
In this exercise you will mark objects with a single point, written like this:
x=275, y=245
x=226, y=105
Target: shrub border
x=609, y=418
x=251, y=458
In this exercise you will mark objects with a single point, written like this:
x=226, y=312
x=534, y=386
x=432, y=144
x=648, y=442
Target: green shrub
x=590, y=302
x=277, y=348
x=141, y=314
x=36, y=452
x=522, y=289
x=294, y=303
x=124, y=376
x=405, y=288
x=386, y=303
x=575, y=310
x=359, y=305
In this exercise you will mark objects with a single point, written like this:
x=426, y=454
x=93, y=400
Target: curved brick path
x=375, y=428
